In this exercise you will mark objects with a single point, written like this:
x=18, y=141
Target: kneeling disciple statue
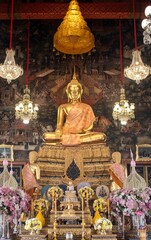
x=31, y=174
x=75, y=120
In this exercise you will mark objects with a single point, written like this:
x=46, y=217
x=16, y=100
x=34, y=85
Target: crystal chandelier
x=123, y=110
x=137, y=71
x=146, y=25
x=25, y=109
x=73, y=36
x=9, y=69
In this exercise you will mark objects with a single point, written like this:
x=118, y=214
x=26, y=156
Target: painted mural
x=50, y=71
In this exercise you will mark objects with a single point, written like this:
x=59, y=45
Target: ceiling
x=57, y=9
x=99, y=72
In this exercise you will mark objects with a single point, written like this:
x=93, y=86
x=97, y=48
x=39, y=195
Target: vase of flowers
x=135, y=203
x=12, y=204
x=142, y=233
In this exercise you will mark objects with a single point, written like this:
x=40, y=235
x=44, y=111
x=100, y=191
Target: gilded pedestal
x=76, y=230
x=104, y=237
x=33, y=237
x=91, y=160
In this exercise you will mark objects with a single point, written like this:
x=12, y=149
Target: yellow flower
x=55, y=192
x=100, y=204
x=86, y=192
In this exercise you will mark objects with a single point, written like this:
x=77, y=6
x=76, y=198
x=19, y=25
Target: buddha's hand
x=58, y=133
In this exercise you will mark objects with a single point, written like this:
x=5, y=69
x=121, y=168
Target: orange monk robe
x=29, y=180
x=78, y=120
x=117, y=173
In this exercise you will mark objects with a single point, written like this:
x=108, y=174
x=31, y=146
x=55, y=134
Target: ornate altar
x=73, y=153
x=70, y=218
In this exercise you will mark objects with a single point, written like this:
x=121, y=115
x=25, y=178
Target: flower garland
x=131, y=202
x=86, y=192
x=55, y=192
x=13, y=202
x=100, y=204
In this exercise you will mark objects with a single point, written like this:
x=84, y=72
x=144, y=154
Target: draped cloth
x=117, y=173
x=78, y=120
x=29, y=180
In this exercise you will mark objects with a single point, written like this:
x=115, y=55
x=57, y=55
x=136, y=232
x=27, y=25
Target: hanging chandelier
x=123, y=110
x=9, y=69
x=73, y=36
x=137, y=71
x=25, y=109
x=146, y=25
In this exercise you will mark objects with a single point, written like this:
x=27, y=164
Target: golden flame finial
x=73, y=36
x=74, y=75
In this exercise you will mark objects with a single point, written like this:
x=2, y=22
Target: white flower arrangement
x=34, y=225
x=86, y=192
x=55, y=192
x=103, y=224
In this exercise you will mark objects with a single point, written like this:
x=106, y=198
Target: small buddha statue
x=75, y=120
x=70, y=186
x=70, y=197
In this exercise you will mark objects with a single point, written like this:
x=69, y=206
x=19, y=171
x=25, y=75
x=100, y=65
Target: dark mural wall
x=50, y=72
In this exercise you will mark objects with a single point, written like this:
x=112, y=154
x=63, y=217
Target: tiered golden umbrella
x=73, y=36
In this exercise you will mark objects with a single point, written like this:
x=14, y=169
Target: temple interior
x=75, y=119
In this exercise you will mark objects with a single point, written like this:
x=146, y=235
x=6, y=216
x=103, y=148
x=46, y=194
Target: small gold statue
x=75, y=120
x=33, y=155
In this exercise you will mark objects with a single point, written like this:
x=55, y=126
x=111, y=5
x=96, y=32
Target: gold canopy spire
x=73, y=36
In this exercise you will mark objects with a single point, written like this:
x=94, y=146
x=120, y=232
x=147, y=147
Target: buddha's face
x=74, y=92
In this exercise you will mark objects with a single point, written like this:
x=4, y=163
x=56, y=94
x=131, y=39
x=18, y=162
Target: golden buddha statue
x=75, y=120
